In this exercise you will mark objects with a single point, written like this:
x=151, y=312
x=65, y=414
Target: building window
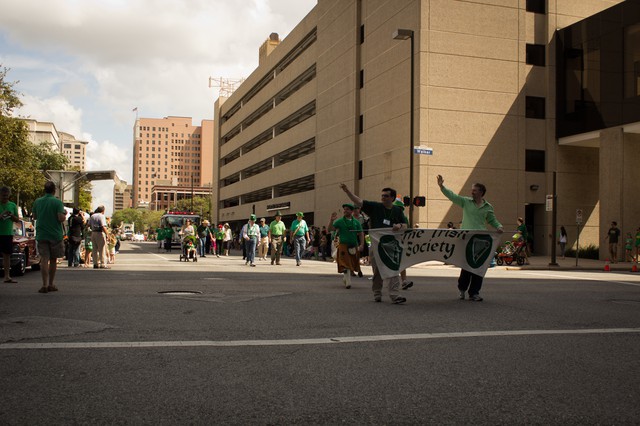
x=359, y=169
x=535, y=107
x=361, y=33
x=361, y=124
x=361, y=79
x=632, y=61
x=536, y=6
x=536, y=54
x=534, y=160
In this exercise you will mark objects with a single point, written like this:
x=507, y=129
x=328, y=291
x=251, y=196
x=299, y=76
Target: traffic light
x=407, y=201
x=419, y=201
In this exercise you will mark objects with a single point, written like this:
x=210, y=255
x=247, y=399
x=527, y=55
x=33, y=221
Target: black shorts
x=6, y=244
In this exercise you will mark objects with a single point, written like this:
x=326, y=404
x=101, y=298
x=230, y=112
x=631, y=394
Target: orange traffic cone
x=607, y=268
x=634, y=268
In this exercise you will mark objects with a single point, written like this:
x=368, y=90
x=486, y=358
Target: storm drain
x=179, y=292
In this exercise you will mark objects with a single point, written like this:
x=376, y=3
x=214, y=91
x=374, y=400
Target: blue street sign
x=422, y=150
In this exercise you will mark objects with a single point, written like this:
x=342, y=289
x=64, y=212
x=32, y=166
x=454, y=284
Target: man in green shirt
x=351, y=239
x=299, y=236
x=160, y=237
x=168, y=238
x=276, y=238
x=382, y=215
x=476, y=213
x=49, y=213
x=219, y=240
x=8, y=215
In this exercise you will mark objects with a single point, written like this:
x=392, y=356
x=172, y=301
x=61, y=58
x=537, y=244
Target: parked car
x=24, y=251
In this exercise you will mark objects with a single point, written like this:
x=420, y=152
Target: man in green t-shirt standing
x=382, y=215
x=8, y=215
x=476, y=213
x=160, y=237
x=277, y=231
x=299, y=236
x=49, y=213
x=168, y=238
x=351, y=239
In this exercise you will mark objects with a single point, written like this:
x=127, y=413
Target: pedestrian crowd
x=86, y=239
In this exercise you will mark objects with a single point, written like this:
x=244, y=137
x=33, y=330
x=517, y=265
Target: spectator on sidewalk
x=613, y=235
x=49, y=214
x=8, y=215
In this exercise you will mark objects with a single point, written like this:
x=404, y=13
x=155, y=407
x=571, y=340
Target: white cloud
x=56, y=110
x=107, y=156
x=84, y=64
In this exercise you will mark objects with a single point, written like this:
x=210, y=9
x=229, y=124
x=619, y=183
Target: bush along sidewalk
x=589, y=252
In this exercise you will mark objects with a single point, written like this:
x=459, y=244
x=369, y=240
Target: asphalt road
x=291, y=345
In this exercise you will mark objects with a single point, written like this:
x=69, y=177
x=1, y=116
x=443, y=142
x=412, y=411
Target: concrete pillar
x=611, y=184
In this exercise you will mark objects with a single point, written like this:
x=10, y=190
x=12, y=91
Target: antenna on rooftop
x=227, y=85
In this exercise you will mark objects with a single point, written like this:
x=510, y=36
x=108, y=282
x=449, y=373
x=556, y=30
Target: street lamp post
x=403, y=34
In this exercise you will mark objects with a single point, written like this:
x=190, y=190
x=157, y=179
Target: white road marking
x=317, y=341
x=570, y=277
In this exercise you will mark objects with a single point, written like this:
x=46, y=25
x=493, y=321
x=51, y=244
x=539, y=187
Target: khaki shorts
x=51, y=249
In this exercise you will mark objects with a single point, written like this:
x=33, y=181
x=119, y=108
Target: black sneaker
x=360, y=274
x=475, y=298
x=398, y=300
x=377, y=299
x=407, y=284
x=462, y=295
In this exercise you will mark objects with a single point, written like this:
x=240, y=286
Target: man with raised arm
x=476, y=213
x=381, y=214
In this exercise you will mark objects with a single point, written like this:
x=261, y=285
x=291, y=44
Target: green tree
x=143, y=220
x=127, y=216
x=201, y=206
x=85, y=197
x=151, y=219
x=15, y=149
x=20, y=160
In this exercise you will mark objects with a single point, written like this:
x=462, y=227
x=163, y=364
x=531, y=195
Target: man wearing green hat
x=250, y=233
x=299, y=236
x=276, y=237
x=351, y=243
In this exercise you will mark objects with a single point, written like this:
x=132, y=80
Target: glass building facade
x=598, y=73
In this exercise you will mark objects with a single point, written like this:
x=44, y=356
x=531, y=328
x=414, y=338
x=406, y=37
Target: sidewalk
x=569, y=264
x=542, y=263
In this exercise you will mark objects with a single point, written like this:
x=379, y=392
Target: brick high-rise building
x=170, y=151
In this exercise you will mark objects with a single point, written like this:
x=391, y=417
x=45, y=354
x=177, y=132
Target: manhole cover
x=179, y=292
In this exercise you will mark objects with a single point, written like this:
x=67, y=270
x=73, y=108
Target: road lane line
x=571, y=277
x=317, y=341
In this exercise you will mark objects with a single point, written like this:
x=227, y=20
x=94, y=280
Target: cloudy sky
x=86, y=64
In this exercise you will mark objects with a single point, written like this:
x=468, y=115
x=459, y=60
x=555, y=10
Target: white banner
x=395, y=251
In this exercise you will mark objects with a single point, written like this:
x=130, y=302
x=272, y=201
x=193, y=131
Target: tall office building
x=122, y=196
x=335, y=102
x=66, y=143
x=171, y=153
x=43, y=132
x=75, y=150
